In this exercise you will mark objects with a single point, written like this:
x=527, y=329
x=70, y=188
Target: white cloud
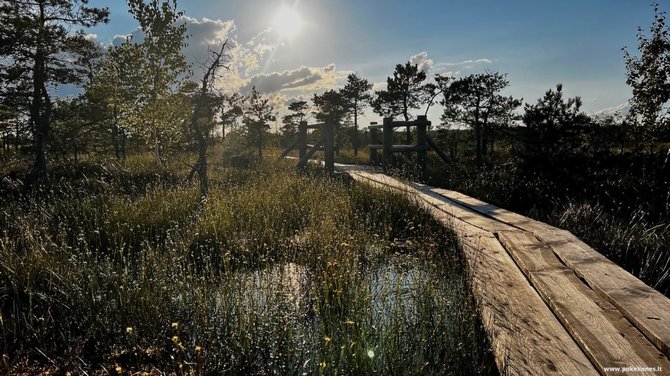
x=250, y=60
x=305, y=79
x=422, y=61
x=467, y=63
x=329, y=68
x=620, y=110
x=121, y=38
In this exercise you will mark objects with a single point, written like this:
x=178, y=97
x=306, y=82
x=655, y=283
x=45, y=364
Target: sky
x=538, y=44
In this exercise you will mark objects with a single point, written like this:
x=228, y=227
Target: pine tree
x=38, y=43
x=356, y=93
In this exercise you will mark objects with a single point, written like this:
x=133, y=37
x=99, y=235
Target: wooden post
x=329, y=145
x=421, y=142
x=374, y=140
x=387, y=143
x=302, y=139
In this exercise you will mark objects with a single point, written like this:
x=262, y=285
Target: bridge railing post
x=422, y=145
x=387, y=143
x=374, y=140
x=329, y=145
x=302, y=139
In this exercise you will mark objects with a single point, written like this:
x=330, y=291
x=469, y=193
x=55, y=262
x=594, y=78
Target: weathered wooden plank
x=603, y=333
x=646, y=308
x=513, y=219
x=526, y=337
x=625, y=295
x=458, y=211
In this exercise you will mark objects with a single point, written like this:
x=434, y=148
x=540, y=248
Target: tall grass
x=121, y=268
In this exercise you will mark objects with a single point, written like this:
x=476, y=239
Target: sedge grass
x=121, y=268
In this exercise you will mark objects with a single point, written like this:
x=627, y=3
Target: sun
x=287, y=22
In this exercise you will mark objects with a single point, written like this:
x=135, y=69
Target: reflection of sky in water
x=392, y=286
x=395, y=287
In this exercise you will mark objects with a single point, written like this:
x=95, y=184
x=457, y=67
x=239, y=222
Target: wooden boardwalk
x=550, y=304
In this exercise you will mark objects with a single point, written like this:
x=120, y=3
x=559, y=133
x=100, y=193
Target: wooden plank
x=410, y=123
x=458, y=211
x=646, y=308
x=408, y=148
x=526, y=337
x=603, y=333
x=641, y=305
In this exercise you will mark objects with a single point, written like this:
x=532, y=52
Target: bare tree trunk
x=40, y=109
x=200, y=102
x=16, y=136
x=42, y=126
x=157, y=147
x=478, y=144
x=116, y=142
x=354, y=140
x=485, y=140
x=260, y=143
x=123, y=143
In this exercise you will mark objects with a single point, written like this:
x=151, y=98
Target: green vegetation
x=616, y=202
x=275, y=272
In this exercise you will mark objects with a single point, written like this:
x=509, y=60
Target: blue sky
x=537, y=43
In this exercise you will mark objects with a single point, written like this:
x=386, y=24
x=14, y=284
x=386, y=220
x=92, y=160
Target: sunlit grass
x=122, y=267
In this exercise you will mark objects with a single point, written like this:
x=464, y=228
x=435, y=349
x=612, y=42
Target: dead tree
x=204, y=101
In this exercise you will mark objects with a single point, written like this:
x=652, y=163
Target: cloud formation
x=422, y=61
x=304, y=78
x=465, y=64
x=619, y=111
x=249, y=62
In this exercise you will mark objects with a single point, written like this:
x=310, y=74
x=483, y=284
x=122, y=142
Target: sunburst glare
x=287, y=23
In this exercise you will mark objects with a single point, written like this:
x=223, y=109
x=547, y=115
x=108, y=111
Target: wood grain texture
x=603, y=333
x=526, y=337
x=645, y=307
x=614, y=317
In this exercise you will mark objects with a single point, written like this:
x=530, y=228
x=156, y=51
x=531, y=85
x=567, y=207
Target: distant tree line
x=143, y=93
x=140, y=92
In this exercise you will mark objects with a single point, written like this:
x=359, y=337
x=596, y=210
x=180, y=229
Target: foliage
x=475, y=100
x=232, y=108
x=257, y=114
x=331, y=105
x=405, y=91
x=553, y=124
x=649, y=76
x=159, y=71
x=114, y=92
x=356, y=93
x=297, y=113
x=277, y=273
x=38, y=44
